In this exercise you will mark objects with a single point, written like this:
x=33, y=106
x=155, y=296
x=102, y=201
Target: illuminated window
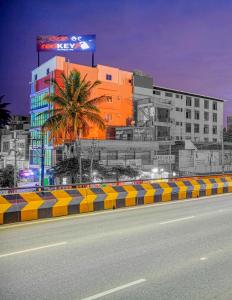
x=108, y=77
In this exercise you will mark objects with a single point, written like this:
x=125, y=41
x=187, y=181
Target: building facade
x=177, y=115
x=116, y=109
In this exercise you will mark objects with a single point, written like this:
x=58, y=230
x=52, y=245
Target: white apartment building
x=194, y=117
x=177, y=115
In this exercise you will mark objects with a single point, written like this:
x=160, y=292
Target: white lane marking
x=121, y=210
x=177, y=220
x=204, y=258
x=33, y=249
x=115, y=289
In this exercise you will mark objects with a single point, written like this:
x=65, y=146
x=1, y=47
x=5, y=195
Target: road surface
x=177, y=250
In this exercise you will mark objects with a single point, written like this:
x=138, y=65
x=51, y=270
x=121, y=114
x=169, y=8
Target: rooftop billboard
x=75, y=42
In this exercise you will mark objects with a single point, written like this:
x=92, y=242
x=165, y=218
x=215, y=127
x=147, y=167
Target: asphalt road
x=178, y=250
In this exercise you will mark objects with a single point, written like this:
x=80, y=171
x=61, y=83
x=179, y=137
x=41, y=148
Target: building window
x=177, y=96
x=188, y=127
x=214, y=117
x=177, y=123
x=168, y=94
x=35, y=77
x=188, y=101
x=188, y=114
x=206, y=129
x=197, y=102
x=215, y=140
x=177, y=138
x=109, y=99
x=47, y=71
x=108, y=77
x=206, y=116
x=206, y=139
x=214, y=129
x=196, y=128
x=197, y=115
x=156, y=92
x=108, y=117
x=214, y=105
x=206, y=104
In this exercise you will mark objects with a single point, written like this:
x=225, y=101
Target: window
x=181, y=123
x=35, y=77
x=215, y=140
x=188, y=114
x=108, y=117
x=177, y=138
x=196, y=102
x=188, y=127
x=177, y=96
x=168, y=94
x=6, y=146
x=206, y=139
x=156, y=92
x=108, y=77
x=214, y=117
x=47, y=71
x=206, y=104
x=109, y=99
x=188, y=101
x=196, y=128
x=206, y=129
x=214, y=129
x=196, y=115
x=206, y=116
x=181, y=96
x=214, y=105
x=177, y=123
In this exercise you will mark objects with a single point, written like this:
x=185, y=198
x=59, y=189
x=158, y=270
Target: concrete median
x=37, y=205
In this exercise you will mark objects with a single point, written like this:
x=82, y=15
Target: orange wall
x=119, y=112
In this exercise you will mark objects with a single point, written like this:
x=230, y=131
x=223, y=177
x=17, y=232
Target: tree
x=70, y=167
x=73, y=111
x=4, y=113
x=7, y=176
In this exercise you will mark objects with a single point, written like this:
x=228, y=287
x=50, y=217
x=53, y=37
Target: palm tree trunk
x=80, y=161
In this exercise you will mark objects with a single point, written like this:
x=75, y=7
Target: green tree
x=73, y=111
x=70, y=168
x=4, y=113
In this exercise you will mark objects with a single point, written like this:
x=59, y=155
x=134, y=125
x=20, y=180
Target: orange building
x=116, y=85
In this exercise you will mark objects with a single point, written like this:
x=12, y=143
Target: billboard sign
x=75, y=42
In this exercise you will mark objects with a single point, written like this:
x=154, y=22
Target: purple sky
x=183, y=44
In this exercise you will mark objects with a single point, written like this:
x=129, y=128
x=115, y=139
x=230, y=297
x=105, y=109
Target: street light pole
x=42, y=160
x=15, y=159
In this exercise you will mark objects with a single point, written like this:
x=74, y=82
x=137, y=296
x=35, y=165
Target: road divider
x=38, y=205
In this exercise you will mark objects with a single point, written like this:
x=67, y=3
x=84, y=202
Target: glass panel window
x=196, y=128
x=206, y=116
x=206, y=129
x=214, y=129
x=168, y=94
x=206, y=104
x=214, y=105
x=188, y=127
x=214, y=117
x=196, y=102
x=188, y=101
x=188, y=114
x=197, y=115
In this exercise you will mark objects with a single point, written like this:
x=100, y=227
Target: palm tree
x=73, y=111
x=4, y=113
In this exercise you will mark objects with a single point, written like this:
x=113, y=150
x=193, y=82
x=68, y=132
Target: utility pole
x=15, y=159
x=223, y=167
x=42, y=160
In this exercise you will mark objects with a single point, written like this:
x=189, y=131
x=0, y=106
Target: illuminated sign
x=80, y=43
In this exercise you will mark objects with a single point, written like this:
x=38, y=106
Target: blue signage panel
x=75, y=42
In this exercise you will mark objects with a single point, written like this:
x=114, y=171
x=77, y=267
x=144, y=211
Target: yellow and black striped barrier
x=38, y=205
